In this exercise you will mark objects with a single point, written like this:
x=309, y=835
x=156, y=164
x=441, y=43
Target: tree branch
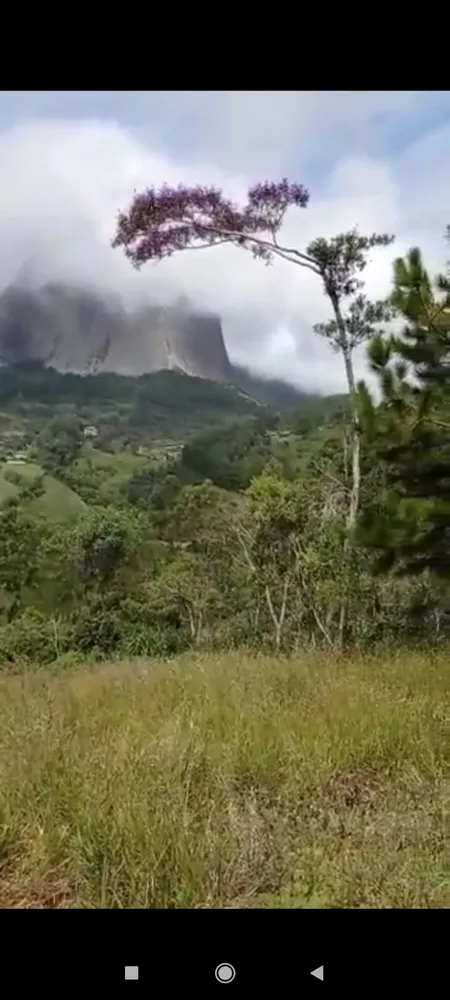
x=290, y=254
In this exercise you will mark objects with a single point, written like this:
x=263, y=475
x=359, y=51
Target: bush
x=150, y=640
x=97, y=628
x=33, y=638
x=12, y=476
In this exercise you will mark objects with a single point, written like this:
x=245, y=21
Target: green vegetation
x=227, y=781
x=164, y=403
x=56, y=501
x=225, y=628
x=281, y=529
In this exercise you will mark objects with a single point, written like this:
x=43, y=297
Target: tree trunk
x=278, y=620
x=346, y=351
x=355, y=448
x=198, y=631
x=190, y=614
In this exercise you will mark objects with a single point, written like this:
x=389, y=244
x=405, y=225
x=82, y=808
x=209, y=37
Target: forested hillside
x=131, y=524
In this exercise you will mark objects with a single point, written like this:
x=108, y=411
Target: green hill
x=165, y=404
x=7, y=489
x=230, y=431
x=272, y=392
x=57, y=501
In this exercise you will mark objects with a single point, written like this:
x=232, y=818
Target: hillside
x=193, y=428
x=274, y=393
x=153, y=418
x=54, y=500
x=163, y=402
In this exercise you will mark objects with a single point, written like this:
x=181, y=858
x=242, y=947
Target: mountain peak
x=77, y=330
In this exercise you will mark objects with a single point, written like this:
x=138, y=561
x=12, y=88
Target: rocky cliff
x=76, y=330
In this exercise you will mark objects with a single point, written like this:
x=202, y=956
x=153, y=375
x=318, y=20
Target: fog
x=63, y=182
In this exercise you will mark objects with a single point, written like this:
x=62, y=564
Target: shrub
x=159, y=639
x=33, y=638
x=96, y=628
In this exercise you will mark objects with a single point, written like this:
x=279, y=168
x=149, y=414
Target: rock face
x=76, y=330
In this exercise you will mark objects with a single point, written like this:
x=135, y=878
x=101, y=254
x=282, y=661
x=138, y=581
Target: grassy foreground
x=227, y=781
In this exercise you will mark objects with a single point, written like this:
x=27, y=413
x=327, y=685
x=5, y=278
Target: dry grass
x=227, y=781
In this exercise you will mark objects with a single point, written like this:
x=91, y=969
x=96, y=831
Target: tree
x=202, y=519
x=228, y=456
x=208, y=562
x=163, y=221
x=19, y=557
x=105, y=550
x=59, y=443
x=184, y=587
x=410, y=525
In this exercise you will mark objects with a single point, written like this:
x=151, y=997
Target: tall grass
x=227, y=781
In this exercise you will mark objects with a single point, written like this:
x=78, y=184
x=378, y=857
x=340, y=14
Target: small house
x=90, y=431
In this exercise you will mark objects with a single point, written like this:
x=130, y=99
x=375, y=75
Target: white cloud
x=63, y=181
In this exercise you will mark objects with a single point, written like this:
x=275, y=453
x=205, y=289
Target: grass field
x=58, y=502
x=227, y=781
x=118, y=463
x=7, y=489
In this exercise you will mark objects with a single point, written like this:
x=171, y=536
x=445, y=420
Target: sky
x=69, y=161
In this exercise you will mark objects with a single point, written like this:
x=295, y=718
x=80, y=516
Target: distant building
x=90, y=432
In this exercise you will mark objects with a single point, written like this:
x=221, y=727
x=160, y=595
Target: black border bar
x=272, y=951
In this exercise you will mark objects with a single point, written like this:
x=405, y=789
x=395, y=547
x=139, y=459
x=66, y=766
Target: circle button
x=225, y=973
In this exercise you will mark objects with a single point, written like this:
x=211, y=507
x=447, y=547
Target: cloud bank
x=63, y=180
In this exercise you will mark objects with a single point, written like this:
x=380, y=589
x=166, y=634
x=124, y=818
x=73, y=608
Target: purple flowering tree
x=167, y=220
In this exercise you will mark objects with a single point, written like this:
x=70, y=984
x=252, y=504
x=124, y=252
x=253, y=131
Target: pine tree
x=410, y=429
